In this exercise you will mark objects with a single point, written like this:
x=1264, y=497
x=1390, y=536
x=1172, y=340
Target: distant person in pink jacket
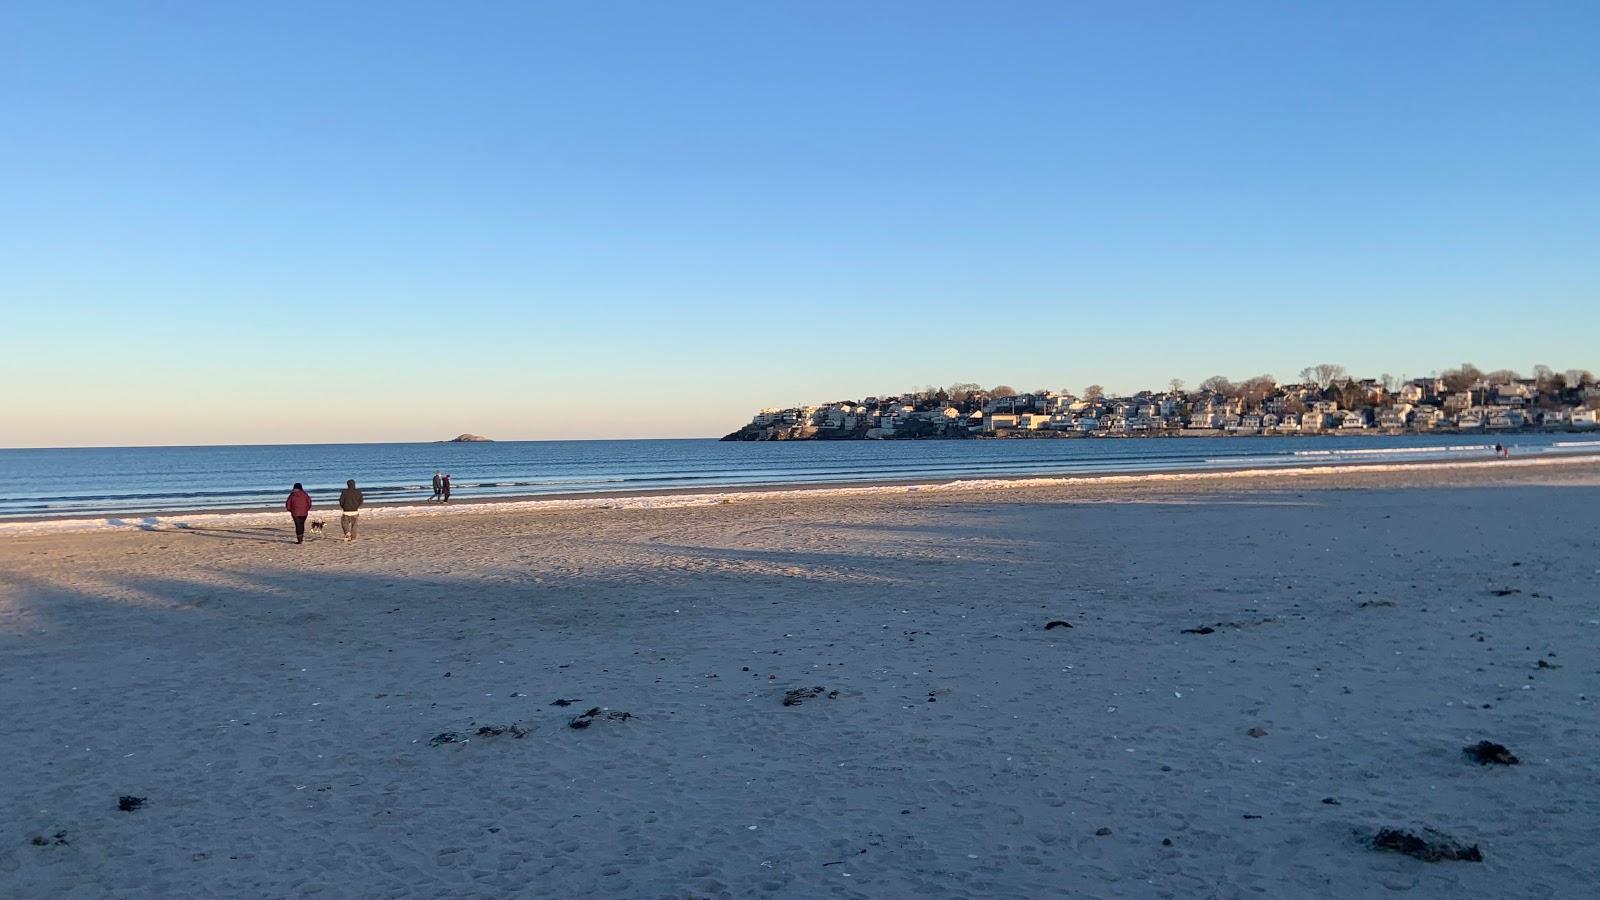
x=299, y=506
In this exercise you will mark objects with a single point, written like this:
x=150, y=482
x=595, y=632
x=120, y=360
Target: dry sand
x=275, y=703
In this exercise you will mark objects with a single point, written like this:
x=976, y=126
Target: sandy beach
x=1260, y=673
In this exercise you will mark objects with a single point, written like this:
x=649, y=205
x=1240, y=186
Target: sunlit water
x=103, y=481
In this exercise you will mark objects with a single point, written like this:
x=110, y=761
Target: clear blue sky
x=227, y=222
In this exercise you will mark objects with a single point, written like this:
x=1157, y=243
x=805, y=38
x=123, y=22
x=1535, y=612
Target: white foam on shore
x=203, y=520
x=1399, y=451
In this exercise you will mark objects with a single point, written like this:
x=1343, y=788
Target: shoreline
x=669, y=498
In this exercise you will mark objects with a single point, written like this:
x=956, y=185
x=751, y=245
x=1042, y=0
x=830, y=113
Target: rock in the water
x=129, y=804
x=470, y=439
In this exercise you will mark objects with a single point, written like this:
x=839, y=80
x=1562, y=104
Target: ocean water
x=123, y=480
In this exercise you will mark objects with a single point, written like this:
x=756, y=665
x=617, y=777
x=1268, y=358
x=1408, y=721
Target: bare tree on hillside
x=1579, y=377
x=1256, y=390
x=1322, y=374
x=1001, y=391
x=1503, y=376
x=1461, y=379
x=961, y=390
x=1093, y=392
x=1175, y=385
x=1218, y=384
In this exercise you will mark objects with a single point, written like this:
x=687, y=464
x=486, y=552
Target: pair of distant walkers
x=441, y=488
x=299, y=507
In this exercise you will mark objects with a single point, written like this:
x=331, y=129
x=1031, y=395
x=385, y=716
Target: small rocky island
x=470, y=439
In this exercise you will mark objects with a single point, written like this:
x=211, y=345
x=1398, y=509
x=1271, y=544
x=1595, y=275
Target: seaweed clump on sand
x=1486, y=752
x=515, y=730
x=798, y=696
x=596, y=714
x=1430, y=846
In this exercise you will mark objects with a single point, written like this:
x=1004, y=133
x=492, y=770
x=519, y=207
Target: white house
x=1353, y=420
x=1394, y=418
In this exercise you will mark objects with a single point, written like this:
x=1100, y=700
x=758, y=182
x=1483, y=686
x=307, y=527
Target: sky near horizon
x=293, y=222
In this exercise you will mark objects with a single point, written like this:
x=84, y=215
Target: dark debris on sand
x=1430, y=846
x=444, y=737
x=596, y=714
x=1485, y=752
x=562, y=701
x=1057, y=623
x=59, y=839
x=515, y=730
x=128, y=803
x=798, y=696
x=1212, y=629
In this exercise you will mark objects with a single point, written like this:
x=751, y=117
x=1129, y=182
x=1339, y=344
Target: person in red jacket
x=299, y=506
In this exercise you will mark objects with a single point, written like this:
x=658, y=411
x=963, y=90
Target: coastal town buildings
x=1459, y=402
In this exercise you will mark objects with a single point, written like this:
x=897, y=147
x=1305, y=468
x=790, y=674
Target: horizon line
x=342, y=443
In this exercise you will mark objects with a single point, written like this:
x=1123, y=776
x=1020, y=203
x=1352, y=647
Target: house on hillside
x=1394, y=418
x=1503, y=419
x=1425, y=418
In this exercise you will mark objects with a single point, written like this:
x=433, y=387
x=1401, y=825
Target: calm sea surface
x=107, y=481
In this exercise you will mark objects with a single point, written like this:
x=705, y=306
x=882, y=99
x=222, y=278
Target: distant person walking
x=350, y=500
x=447, y=488
x=438, y=486
x=299, y=506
